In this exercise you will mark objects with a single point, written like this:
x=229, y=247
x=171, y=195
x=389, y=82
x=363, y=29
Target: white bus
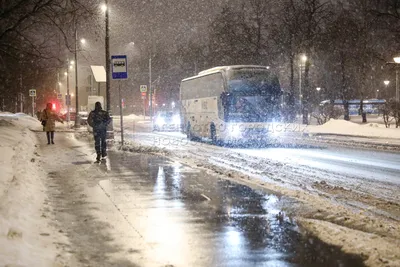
x=231, y=103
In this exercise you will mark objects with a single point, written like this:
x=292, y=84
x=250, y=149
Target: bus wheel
x=213, y=133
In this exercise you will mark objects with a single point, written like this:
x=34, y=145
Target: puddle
x=193, y=219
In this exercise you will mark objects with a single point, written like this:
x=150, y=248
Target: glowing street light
x=318, y=89
x=83, y=41
x=303, y=59
x=386, y=83
x=66, y=73
x=104, y=7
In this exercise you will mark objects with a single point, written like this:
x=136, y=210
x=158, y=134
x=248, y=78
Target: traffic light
x=54, y=106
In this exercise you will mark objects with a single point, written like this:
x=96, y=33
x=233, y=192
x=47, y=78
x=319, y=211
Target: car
x=71, y=116
x=166, y=121
x=82, y=117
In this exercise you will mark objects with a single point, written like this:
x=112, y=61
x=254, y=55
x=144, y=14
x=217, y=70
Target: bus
x=370, y=106
x=230, y=103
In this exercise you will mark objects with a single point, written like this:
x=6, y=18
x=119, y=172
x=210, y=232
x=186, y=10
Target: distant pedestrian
x=99, y=120
x=48, y=118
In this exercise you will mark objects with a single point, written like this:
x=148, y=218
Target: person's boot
x=52, y=138
x=48, y=138
x=104, y=154
x=98, y=157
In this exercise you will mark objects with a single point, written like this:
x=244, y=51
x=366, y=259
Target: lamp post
x=386, y=82
x=397, y=61
x=107, y=47
x=303, y=59
x=110, y=127
x=377, y=94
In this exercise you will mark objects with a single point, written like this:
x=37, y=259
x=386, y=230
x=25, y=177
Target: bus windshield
x=255, y=81
x=251, y=109
x=254, y=96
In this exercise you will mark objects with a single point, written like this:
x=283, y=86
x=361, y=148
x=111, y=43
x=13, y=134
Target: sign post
x=120, y=72
x=32, y=93
x=143, y=90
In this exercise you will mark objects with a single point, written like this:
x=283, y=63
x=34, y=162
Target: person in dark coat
x=99, y=120
x=48, y=118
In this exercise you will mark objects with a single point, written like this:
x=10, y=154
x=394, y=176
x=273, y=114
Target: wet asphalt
x=194, y=219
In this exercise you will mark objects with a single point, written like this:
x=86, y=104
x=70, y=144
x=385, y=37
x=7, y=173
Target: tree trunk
x=346, y=110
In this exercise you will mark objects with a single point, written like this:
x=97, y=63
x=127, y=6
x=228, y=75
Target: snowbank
x=25, y=236
x=343, y=127
x=132, y=117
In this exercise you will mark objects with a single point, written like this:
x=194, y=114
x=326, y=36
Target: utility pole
x=150, y=91
x=397, y=86
x=68, y=99
x=76, y=77
x=300, y=93
x=21, y=95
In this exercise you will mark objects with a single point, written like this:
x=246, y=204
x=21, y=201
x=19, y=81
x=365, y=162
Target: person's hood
x=97, y=106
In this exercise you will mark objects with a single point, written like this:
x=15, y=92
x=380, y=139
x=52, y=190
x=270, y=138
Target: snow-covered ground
x=342, y=127
x=26, y=238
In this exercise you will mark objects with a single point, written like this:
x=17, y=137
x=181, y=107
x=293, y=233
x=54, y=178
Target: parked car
x=82, y=117
x=166, y=121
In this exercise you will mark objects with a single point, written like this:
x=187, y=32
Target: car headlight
x=160, y=121
x=176, y=119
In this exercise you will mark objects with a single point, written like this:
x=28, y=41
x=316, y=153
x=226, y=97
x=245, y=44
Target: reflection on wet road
x=189, y=218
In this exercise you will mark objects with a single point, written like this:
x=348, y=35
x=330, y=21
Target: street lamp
x=104, y=7
x=377, y=94
x=386, y=83
x=397, y=61
x=83, y=41
x=303, y=60
x=318, y=89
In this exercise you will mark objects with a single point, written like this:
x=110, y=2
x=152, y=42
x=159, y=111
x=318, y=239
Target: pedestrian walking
x=48, y=119
x=99, y=119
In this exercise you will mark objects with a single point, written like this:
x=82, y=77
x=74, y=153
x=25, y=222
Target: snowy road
x=360, y=177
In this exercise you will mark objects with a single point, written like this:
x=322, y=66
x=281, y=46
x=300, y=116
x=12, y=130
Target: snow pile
x=343, y=127
x=24, y=234
x=21, y=120
x=133, y=117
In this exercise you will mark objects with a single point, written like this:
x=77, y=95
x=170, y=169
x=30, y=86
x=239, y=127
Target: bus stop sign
x=119, y=67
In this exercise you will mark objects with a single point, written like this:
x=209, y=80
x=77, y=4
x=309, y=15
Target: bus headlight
x=160, y=121
x=176, y=119
x=235, y=131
